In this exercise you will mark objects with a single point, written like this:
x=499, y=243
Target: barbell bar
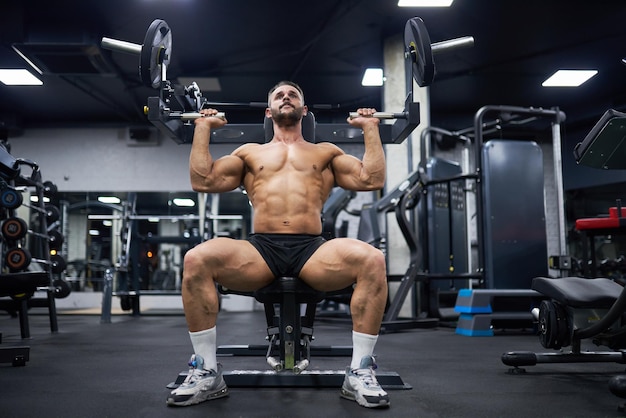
x=382, y=115
x=187, y=116
x=419, y=51
x=154, y=53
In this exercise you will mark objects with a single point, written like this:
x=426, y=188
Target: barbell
x=154, y=53
x=156, y=50
x=419, y=51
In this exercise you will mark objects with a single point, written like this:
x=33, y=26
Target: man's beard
x=287, y=119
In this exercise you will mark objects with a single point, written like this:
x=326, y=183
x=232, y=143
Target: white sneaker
x=360, y=385
x=200, y=385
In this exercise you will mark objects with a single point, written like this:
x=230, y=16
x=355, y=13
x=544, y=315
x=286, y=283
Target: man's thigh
x=237, y=264
x=335, y=264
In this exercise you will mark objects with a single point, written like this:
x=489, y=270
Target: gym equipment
x=14, y=229
x=401, y=200
x=174, y=110
x=290, y=336
x=584, y=308
x=500, y=204
x=578, y=308
x=14, y=255
x=613, y=224
x=443, y=223
x=154, y=54
x=495, y=260
x=603, y=147
x=18, y=259
x=419, y=50
x=12, y=284
x=10, y=198
x=290, y=307
x=516, y=224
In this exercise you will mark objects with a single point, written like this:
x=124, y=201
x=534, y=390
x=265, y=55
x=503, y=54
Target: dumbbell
x=51, y=212
x=14, y=229
x=11, y=198
x=18, y=259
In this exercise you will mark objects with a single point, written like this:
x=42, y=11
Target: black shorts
x=286, y=254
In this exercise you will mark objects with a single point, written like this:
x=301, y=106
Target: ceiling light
x=184, y=202
x=373, y=77
x=569, y=78
x=19, y=77
x=424, y=3
x=109, y=199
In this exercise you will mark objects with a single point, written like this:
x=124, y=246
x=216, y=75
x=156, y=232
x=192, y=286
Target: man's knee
x=376, y=263
x=192, y=260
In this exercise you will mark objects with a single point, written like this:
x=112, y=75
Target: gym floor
x=121, y=369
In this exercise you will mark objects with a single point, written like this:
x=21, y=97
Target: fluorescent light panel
x=18, y=77
x=179, y=201
x=425, y=3
x=569, y=78
x=108, y=199
x=373, y=77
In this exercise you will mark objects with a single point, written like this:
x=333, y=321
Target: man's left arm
x=368, y=173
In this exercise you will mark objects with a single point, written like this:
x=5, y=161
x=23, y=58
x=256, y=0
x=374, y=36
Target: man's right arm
x=206, y=174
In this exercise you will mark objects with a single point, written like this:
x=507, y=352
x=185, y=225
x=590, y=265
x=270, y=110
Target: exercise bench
x=19, y=286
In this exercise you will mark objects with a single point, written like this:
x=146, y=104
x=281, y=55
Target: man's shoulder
x=329, y=147
x=242, y=149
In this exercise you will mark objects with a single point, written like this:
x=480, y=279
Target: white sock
x=204, y=345
x=362, y=345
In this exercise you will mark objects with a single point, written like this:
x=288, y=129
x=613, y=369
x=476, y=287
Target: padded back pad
x=308, y=128
x=579, y=292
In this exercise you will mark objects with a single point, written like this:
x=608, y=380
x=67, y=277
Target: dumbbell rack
x=18, y=280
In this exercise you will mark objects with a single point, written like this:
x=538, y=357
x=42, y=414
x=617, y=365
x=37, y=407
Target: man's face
x=286, y=106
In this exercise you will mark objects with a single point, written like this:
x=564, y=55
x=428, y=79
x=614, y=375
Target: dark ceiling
x=324, y=45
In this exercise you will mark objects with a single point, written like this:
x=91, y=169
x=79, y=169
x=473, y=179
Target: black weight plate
x=553, y=325
x=547, y=323
x=417, y=45
x=17, y=259
x=52, y=213
x=61, y=289
x=58, y=264
x=10, y=198
x=14, y=229
x=564, y=331
x=49, y=189
x=55, y=239
x=155, y=52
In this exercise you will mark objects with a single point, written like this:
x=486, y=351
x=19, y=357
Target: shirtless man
x=287, y=180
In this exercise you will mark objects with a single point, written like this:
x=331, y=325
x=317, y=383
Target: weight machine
x=564, y=317
x=176, y=107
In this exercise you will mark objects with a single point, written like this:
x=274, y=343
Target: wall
x=100, y=159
